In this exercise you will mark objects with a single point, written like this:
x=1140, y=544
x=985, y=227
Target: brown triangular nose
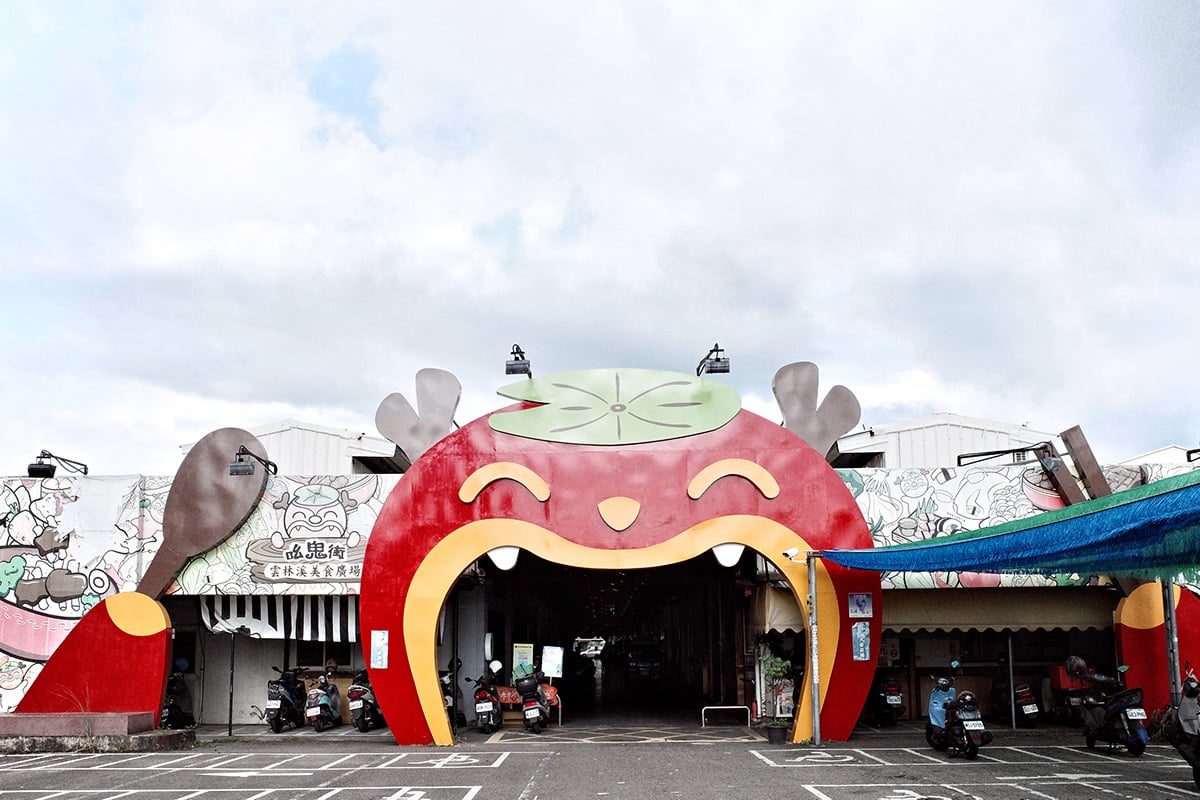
x=618, y=513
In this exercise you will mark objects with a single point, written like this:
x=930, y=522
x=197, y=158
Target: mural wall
x=308, y=536
x=910, y=505
x=67, y=543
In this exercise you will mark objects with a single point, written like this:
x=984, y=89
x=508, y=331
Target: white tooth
x=728, y=554
x=504, y=557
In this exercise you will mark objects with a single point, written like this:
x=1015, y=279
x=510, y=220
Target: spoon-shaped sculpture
x=206, y=504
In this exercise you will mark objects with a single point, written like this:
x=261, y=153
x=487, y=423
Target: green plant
x=776, y=671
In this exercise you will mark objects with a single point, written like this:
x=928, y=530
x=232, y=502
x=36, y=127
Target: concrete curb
x=132, y=743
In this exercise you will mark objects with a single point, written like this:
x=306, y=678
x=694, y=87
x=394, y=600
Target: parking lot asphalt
x=620, y=759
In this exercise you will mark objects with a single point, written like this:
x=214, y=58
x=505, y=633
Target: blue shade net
x=1150, y=532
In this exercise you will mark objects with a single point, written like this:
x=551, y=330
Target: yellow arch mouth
x=441, y=567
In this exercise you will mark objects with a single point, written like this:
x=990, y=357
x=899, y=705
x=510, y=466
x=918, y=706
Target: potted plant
x=776, y=674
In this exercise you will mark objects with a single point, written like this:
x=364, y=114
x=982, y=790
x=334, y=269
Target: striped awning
x=304, y=617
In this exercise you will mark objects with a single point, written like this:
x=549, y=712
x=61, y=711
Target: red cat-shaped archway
x=630, y=501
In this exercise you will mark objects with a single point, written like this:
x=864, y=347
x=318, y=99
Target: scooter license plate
x=1030, y=708
x=894, y=699
x=313, y=712
x=273, y=704
x=355, y=704
x=532, y=713
x=482, y=707
x=1135, y=713
x=973, y=724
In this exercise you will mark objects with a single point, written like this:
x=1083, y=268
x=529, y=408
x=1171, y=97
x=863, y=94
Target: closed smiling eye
x=478, y=480
x=756, y=474
x=728, y=554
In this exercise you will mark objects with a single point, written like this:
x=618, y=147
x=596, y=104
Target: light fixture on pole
x=1042, y=452
x=41, y=468
x=240, y=466
x=713, y=363
x=518, y=364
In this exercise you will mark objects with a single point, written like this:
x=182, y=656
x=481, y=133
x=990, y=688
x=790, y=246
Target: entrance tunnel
x=676, y=637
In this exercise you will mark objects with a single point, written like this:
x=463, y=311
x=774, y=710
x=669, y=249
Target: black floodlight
x=518, y=364
x=44, y=468
x=240, y=466
x=713, y=363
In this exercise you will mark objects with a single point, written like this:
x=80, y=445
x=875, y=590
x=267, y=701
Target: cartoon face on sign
x=616, y=470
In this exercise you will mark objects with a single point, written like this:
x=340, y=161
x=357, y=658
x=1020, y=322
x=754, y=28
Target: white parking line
x=1175, y=791
x=14, y=762
x=1033, y=792
x=1032, y=754
x=179, y=760
x=333, y=764
x=868, y=754
x=922, y=754
x=227, y=762
x=280, y=761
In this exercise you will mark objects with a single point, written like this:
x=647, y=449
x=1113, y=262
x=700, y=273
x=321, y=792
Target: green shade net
x=1149, y=532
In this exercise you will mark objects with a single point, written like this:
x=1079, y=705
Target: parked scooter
x=324, y=704
x=177, y=704
x=285, y=701
x=955, y=723
x=1110, y=712
x=452, y=696
x=1183, y=725
x=364, y=709
x=488, y=715
x=1022, y=698
x=534, y=709
x=885, y=704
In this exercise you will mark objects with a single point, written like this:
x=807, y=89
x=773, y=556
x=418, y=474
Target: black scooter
x=885, y=705
x=955, y=723
x=364, y=709
x=285, y=701
x=1113, y=714
x=177, y=705
x=452, y=695
x=488, y=715
x=534, y=708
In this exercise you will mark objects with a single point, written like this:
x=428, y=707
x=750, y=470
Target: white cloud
x=947, y=207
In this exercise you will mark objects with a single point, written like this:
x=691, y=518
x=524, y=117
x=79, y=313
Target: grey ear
x=795, y=388
x=438, y=393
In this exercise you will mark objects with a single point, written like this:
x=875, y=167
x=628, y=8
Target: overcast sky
x=230, y=214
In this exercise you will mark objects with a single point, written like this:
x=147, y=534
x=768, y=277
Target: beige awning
x=908, y=610
x=1040, y=608
x=777, y=610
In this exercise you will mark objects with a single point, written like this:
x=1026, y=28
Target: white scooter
x=324, y=705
